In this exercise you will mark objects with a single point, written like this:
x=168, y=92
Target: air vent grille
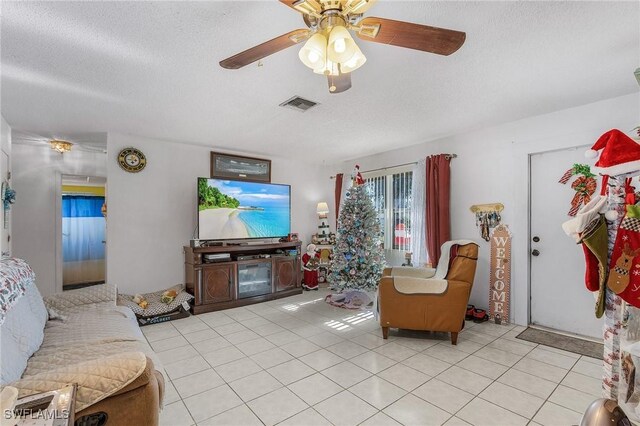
x=299, y=104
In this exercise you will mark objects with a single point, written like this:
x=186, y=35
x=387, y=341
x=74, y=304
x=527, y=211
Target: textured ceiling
x=151, y=69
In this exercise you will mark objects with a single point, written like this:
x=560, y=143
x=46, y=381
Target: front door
x=559, y=298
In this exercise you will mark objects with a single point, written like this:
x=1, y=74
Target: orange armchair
x=427, y=299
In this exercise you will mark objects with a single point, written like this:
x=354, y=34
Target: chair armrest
x=82, y=296
x=409, y=271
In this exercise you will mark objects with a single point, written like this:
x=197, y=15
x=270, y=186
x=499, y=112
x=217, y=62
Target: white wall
x=37, y=174
x=152, y=214
x=492, y=166
x=5, y=170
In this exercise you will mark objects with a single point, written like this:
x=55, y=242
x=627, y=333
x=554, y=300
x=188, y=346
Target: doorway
x=83, y=231
x=559, y=298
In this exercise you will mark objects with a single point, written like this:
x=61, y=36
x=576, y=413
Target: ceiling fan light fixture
x=341, y=46
x=60, y=146
x=314, y=52
x=330, y=68
x=354, y=63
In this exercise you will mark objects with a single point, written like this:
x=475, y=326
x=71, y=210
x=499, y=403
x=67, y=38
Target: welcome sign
x=500, y=279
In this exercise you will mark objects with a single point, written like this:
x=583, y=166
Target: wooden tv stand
x=227, y=284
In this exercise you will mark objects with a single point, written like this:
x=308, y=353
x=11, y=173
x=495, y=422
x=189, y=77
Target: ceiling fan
x=59, y=143
x=329, y=48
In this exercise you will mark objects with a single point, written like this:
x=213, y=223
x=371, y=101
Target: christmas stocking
x=590, y=229
x=594, y=241
x=624, y=273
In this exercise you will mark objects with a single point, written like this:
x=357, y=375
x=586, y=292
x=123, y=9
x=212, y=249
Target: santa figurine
x=310, y=263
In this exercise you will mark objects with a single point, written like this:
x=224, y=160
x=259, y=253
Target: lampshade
x=314, y=52
x=354, y=63
x=322, y=208
x=341, y=46
x=330, y=68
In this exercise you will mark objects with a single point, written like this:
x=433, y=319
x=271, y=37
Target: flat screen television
x=231, y=209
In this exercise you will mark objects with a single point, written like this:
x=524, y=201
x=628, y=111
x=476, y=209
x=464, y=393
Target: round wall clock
x=132, y=160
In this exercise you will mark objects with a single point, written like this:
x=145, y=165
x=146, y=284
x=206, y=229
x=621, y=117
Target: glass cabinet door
x=254, y=279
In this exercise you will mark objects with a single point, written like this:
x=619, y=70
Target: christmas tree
x=358, y=259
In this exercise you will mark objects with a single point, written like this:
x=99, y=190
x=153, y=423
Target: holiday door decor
x=500, y=278
x=585, y=186
x=624, y=272
x=619, y=159
x=358, y=258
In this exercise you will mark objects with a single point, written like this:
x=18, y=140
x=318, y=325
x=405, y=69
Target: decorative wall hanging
x=500, y=278
x=132, y=160
x=584, y=186
x=487, y=217
x=226, y=166
x=8, y=198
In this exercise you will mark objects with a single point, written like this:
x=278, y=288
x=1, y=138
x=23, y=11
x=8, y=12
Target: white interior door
x=559, y=298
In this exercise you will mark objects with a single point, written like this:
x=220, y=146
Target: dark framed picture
x=293, y=236
x=227, y=166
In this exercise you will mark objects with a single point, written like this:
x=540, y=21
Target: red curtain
x=338, y=195
x=438, y=221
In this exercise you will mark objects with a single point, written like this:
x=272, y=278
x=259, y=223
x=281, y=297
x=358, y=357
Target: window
x=390, y=191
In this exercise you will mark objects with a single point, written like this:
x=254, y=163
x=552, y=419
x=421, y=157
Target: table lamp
x=323, y=221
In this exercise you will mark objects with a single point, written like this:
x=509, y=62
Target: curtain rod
x=447, y=156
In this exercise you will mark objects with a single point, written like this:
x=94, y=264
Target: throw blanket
x=15, y=277
x=410, y=285
x=350, y=299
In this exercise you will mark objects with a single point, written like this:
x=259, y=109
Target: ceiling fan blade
x=413, y=36
x=288, y=3
x=340, y=83
x=265, y=49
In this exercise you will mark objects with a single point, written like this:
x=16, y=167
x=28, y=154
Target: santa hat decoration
x=620, y=154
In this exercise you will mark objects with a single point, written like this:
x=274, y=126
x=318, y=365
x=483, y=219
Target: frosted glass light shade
x=330, y=68
x=322, y=208
x=341, y=46
x=354, y=63
x=314, y=52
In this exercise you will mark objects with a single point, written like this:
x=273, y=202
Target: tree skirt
x=350, y=299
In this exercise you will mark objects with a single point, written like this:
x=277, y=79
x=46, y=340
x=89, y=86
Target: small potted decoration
x=8, y=198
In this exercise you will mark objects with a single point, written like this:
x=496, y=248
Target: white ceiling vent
x=299, y=104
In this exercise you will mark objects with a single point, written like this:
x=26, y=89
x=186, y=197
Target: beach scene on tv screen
x=232, y=209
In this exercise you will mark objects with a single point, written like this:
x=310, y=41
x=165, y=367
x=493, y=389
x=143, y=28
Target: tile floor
x=300, y=361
